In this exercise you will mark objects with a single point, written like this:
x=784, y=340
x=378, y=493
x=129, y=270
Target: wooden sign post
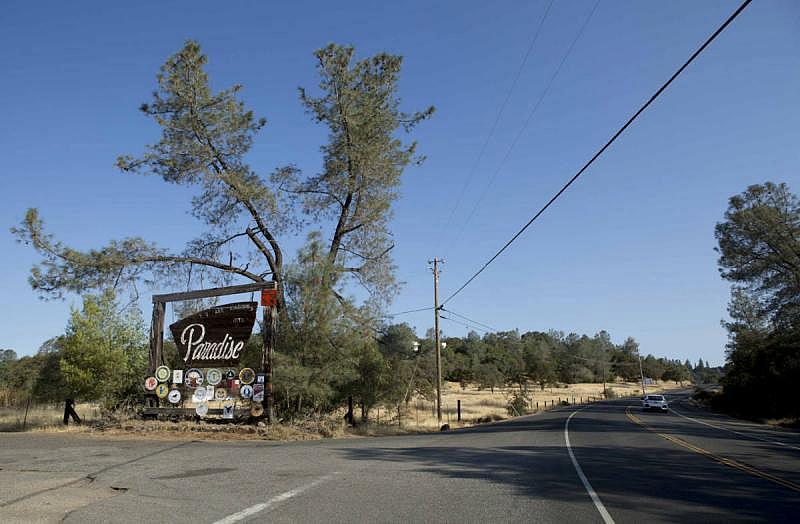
x=269, y=300
x=269, y=294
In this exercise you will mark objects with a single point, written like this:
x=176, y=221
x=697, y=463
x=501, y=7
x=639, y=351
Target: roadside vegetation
x=495, y=375
x=759, y=246
x=478, y=406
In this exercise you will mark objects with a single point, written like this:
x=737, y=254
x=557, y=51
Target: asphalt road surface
x=606, y=462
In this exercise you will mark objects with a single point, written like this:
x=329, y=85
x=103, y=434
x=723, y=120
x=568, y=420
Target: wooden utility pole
x=435, y=263
x=641, y=372
x=604, y=380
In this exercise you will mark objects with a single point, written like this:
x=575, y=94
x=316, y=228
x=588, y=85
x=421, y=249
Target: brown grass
x=477, y=406
x=43, y=416
x=480, y=406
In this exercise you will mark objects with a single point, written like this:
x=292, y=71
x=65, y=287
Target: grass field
x=43, y=416
x=477, y=406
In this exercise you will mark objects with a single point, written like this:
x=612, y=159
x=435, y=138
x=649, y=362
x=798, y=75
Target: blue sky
x=628, y=249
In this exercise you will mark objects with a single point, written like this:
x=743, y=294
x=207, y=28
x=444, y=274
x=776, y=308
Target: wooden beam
x=268, y=333
x=190, y=412
x=214, y=292
x=156, y=336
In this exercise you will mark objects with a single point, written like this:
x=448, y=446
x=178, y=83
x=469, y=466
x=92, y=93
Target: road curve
x=684, y=466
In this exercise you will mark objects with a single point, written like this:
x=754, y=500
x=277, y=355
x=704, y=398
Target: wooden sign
x=215, y=337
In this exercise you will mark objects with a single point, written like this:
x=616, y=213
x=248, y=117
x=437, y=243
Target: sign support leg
x=156, y=336
x=268, y=332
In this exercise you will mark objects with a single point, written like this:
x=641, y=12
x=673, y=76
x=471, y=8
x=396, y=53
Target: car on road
x=655, y=402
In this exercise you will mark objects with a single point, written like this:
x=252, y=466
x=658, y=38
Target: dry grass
x=49, y=420
x=44, y=416
x=477, y=406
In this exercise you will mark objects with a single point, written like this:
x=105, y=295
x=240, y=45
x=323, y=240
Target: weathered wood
x=268, y=333
x=156, y=336
x=227, y=326
x=214, y=292
x=187, y=412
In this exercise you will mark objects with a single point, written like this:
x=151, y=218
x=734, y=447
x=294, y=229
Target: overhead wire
x=492, y=130
x=694, y=55
x=463, y=323
x=410, y=311
x=469, y=319
x=525, y=125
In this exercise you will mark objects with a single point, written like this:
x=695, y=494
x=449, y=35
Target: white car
x=655, y=402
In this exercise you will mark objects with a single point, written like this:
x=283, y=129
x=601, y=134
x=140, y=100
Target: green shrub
x=518, y=403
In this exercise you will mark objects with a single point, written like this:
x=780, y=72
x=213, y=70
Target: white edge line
x=762, y=439
x=597, y=503
x=257, y=508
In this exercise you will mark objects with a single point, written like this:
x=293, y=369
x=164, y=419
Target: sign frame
x=269, y=327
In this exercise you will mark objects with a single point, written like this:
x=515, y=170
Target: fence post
x=349, y=416
x=69, y=411
x=27, y=407
x=458, y=404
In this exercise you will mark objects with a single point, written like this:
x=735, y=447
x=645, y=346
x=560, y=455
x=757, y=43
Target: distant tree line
x=102, y=357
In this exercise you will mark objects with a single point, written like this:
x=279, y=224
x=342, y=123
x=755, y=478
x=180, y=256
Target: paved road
x=622, y=465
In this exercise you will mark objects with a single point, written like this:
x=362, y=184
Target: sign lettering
x=215, y=336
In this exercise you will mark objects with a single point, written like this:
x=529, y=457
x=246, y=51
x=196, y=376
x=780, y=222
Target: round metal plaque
x=220, y=394
x=230, y=374
x=247, y=376
x=201, y=409
x=150, y=383
x=193, y=378
x=199, y=395
x=174, y=396
x=214, y=376
x=246, y=391
x=162, y=390
x=257, y=410
x=162, y=373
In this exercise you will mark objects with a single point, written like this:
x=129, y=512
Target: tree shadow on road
x=636, y=478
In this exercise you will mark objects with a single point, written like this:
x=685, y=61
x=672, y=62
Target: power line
x=462, y=323
x=497, y=118
x=607, y=144
x=469, y=319
x=527, y=122
x=409, y=311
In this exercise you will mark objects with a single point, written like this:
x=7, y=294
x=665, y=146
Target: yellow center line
x=713, y=456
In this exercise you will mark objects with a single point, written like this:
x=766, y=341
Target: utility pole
x=435, y=263
x=644, y=392
x=604, y=379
